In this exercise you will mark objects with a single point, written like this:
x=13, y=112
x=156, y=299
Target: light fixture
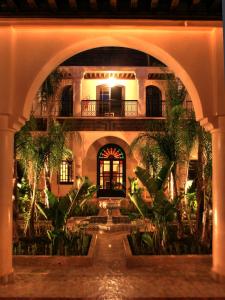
x=111, y=81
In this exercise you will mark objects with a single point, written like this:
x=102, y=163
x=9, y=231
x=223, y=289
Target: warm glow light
x=111, y=81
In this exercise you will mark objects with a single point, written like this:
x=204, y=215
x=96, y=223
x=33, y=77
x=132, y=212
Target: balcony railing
x=107, y=108
x=101, y=108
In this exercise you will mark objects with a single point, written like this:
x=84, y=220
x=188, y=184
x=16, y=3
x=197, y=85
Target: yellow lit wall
x=89, y=88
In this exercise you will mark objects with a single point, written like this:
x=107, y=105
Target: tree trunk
x=180, y=231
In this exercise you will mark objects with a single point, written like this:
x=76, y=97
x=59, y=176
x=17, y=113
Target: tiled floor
x=109, y=278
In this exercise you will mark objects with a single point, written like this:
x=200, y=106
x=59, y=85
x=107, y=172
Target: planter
x=48, y=261
x=133, y=261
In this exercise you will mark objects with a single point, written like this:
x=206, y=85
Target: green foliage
x=24, y=193
x=192, y=202
x=50, y=84
x=69, y=243
x=154, y=184
x=60, y=209
x=85, y=210
x=146, y=243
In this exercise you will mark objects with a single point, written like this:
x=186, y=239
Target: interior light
x=111, y=81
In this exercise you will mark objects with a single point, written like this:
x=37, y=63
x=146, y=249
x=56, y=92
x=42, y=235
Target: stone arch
x=129, y=42
x=90, y=160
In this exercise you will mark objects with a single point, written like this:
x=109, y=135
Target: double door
x=111, y=178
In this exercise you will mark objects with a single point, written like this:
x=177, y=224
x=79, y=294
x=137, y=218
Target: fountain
x=109, y=205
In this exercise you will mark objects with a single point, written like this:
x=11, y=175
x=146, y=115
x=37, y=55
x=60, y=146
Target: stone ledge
x=133, y=261
x=48, y=261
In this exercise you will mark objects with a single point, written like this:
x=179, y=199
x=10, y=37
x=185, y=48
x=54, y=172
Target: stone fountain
x=108, y=205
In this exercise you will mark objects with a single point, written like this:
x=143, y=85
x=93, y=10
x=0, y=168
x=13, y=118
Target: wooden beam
x=174, y=4
x=11, y=4
x=52, y=4
x=93, y=4
x=32, y=4
x=195, y=2
x=133, y=3
x=113, y=4
x=73, y=4
x=154, y=3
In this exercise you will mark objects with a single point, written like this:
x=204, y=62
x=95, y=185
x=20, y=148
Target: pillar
x=78, y=74
x=78, y=166
x=218, y=185
x=141, y=77
x=6, y=187
x=77, y=97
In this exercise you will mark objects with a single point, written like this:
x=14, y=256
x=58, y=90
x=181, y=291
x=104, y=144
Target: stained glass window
x=111, y=152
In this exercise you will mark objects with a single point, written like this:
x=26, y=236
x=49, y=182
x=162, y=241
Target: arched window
x=111, y=171
x=66, y=107
x=153, y=101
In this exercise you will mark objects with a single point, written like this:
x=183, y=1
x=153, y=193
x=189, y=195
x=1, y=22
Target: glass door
x=111, y=177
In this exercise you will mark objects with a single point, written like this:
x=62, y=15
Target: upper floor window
x=104, y=92
x=66, y=104
x=153, y=102
x=66, y=172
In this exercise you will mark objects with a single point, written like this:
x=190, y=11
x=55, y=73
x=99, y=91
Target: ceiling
x=115, y=9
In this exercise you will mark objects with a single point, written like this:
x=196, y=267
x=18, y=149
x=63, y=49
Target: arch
x=153, y=101
x=121, y=41
x=89, y=161
x=111, y=171
x=66, y=102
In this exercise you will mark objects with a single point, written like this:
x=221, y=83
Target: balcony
x=109, y=108
x=107, y=115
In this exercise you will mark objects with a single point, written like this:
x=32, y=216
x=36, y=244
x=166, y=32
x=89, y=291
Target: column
x=142, y=98
x=78, y=166
x=218, y=185
x=141, y=77
x=77, y=97
x=6, y=187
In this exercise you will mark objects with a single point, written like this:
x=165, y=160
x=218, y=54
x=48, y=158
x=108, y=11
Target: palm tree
x=48, y=91
x=40, y=153
x=177, y=140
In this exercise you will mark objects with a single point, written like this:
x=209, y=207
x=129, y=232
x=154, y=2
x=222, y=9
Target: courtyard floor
x=110, y=279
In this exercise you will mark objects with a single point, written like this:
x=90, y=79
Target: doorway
x=111, y=169
x=66, y=107
x=153, y=101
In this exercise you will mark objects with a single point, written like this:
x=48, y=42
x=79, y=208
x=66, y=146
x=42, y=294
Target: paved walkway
x=109, y=278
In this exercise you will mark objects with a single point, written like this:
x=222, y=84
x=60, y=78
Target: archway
x=153, y=101
x=26, y=76
x=66, y=105
x=151, y=49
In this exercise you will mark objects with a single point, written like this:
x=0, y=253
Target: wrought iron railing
x=188, y=105
x=53, y=108
x=107, y=108
x=99, y=108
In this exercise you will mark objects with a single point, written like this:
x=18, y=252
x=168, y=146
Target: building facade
x=107, y=106
x=186, y=35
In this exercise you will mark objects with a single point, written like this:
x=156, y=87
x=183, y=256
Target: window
x=66, y=108
x=66, y=172
x=153, y=102
x=104, y=93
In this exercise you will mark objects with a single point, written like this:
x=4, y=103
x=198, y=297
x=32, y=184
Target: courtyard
x=112, y=134
x=110, y=278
